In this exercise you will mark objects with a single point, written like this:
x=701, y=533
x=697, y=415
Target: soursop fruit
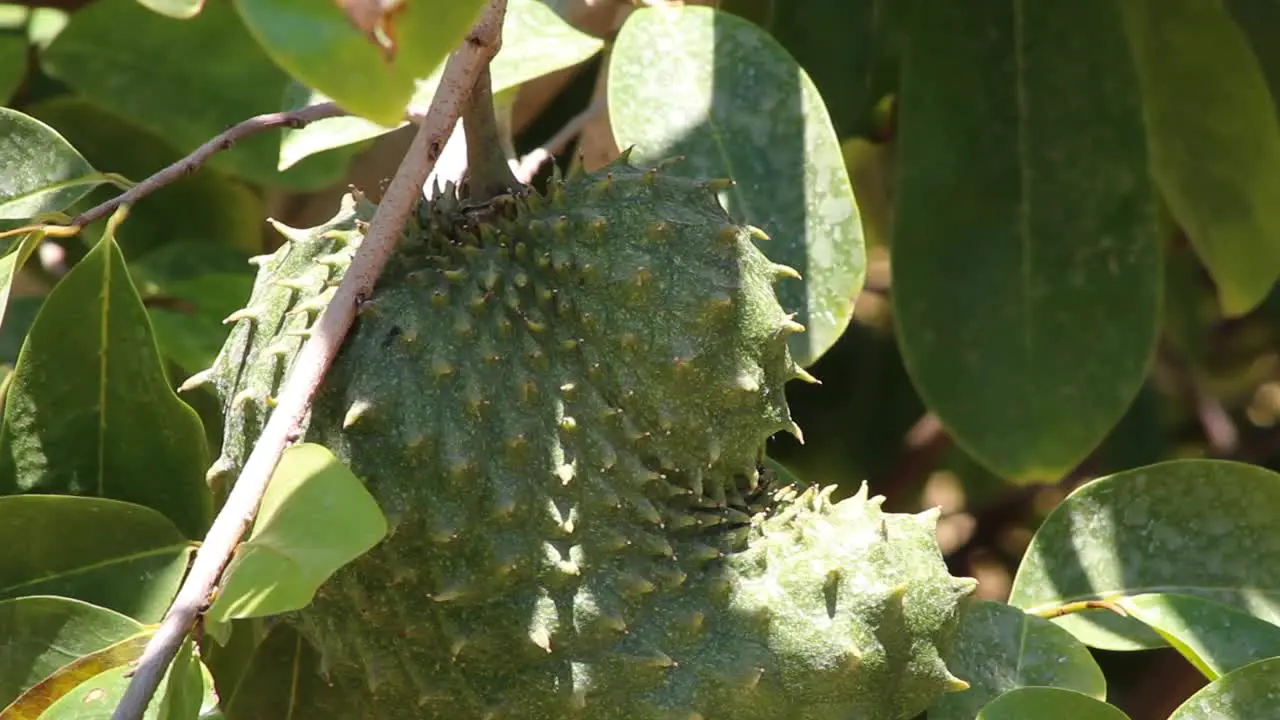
x=560, y=401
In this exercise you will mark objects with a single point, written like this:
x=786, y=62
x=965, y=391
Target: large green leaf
x=535, y=42
x=317, y=44
x=1214, y=637
x=42, y=634
x=42, y=171
x=1045, y=703
x=1245, y=694
x=1214, y=138
x=1000, y=648
x=1192, y=527
x=1026, y=260
x=124, y=557
x=90, y=411
x=711, y=86
x=208, y=206
x=316, y=517
x=184, y=80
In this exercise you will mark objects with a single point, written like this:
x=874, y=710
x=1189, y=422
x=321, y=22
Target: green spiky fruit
x=560, y=402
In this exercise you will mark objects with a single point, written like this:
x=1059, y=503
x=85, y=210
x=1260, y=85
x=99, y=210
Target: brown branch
x=532, y=162
x=293, y=119
x=314, y=359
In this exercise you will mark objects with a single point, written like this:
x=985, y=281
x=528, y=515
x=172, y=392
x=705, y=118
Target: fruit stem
x=490, y=174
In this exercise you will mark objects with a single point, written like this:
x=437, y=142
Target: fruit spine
x=560, y=402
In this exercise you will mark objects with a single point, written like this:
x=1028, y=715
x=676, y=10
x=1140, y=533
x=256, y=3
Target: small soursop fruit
x=560, y=402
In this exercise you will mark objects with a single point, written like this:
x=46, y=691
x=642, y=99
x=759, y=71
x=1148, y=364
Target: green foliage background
x=1053, y=312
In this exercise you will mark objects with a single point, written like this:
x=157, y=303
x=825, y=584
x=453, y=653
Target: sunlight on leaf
x=1204, y=528
x=315, y=517
x=721, y=92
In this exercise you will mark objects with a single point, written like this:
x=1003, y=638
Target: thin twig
x=314, y=359
x=531, y=163
x=189, y=164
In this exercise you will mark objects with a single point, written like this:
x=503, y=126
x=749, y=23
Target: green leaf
x=1214, y=138
x=18, y=317
x=283, y=680
x=188, y=694
x=90, y=411
x=711, y=86
x=185, y=81
x=1214, y=637
x=188, y=324
x=208, y=206
x=42, y=172
x=1244, y=694
x=123, y=557
x=1000, y=648
x=12, y=262
x=1026, y=260
x=535, y=42
x=1192, y=527
x=842, y=44
x=42, y=634
x=13, y=63
x=317, y=44
x=179, y=9
x=1045, y=703
x=315, y=517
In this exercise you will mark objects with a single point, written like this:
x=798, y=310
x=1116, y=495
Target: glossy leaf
x=1245, y=694
x=90, y=410
x=1026, y=260
x=712, y=87
x=1215, y=140
x=1193, y=527
x=1215, y=638
x=316, y=517
x=124, y=557
x=317, y=44
x=1000, y=648
x=208, y=206
x=42, y=172
x=535, y=42
x=13, y=63
x=146, y=68
x=43, y=634
x=1045, y=703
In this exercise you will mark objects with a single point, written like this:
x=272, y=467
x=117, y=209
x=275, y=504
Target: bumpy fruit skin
x=561, y=402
